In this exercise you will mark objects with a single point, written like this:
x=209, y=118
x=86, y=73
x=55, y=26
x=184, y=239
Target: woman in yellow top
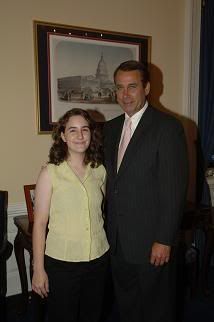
x=70, y=266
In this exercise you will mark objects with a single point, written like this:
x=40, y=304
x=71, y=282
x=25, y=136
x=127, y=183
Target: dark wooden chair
x=5, y=249
x=188, y=254
x=207, y=226
x=199, y=218
x=22, y=242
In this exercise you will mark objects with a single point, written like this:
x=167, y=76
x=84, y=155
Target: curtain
x=206, y=93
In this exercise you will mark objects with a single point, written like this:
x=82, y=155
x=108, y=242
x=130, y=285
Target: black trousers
x=76, y=290
x=144, y=293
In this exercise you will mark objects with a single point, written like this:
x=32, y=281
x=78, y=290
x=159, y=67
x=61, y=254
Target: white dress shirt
x=135, y=120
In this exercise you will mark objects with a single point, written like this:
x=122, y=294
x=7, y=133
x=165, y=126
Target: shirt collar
x=137, y=116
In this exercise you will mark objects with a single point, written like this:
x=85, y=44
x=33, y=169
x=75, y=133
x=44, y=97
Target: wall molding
x=17, y=209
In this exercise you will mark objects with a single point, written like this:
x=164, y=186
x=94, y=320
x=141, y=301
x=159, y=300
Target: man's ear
x=147, y=88
x=63, y=137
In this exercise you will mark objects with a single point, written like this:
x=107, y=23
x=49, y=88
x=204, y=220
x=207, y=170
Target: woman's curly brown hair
x=59, y=150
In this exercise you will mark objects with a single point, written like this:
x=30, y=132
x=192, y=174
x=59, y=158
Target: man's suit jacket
x=145, y=199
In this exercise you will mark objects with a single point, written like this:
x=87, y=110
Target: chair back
x=29, y=198
x=3, y=217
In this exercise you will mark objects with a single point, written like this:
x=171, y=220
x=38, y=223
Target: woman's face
x=77, y=134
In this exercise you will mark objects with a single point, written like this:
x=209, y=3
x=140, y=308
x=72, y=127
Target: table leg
x=20, y=259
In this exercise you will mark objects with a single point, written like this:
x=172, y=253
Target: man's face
x=131, y=93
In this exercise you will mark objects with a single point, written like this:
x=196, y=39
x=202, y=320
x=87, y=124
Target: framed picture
x=75, y=66
x=29, y=198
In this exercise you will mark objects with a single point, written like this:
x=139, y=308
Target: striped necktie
x=125, y=141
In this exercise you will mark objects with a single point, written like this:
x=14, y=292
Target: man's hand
x=160, y=254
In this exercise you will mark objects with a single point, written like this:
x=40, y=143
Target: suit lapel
x=136, y=140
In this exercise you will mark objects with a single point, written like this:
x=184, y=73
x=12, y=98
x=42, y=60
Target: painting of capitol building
x=97, y=88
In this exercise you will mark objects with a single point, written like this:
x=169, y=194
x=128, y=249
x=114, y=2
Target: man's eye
x=118, y=88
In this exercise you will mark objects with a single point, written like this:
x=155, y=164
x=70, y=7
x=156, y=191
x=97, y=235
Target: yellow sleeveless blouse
x=76, y=230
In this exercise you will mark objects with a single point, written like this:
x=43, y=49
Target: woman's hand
x=40, y=283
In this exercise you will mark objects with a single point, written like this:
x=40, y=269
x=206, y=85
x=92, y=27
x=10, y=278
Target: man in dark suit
x=146, y=191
